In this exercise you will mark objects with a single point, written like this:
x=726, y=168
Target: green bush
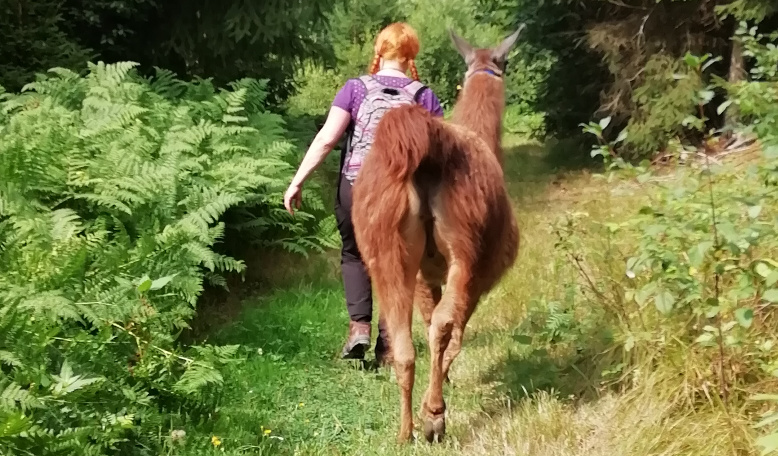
x=755, y=98
x=355, y=24
x=699, y=280
x=317, y=88
x=112, y=194
x=33, y=36
x=663, y=102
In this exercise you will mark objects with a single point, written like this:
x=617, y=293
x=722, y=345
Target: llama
x=430, y=208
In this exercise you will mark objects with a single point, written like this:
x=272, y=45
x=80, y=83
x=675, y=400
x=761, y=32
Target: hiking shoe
x=358, y=340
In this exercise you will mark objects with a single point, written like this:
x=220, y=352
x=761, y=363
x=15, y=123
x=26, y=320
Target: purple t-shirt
x=352, y=93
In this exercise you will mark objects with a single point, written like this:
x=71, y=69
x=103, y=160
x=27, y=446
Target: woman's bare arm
x=337, y=121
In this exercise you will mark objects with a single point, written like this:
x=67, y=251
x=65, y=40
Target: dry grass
x=650, y=418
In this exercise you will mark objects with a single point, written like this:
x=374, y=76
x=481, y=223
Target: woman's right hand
x=337, y=122
x=293, y=198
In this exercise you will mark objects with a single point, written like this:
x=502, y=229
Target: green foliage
x=755, y=98
x=663, y=103
x=747, y=10
x=317, y=87
x=700, y=270
x=355, y=24
x=114, y=195
x=222, y=40
x=33, y=38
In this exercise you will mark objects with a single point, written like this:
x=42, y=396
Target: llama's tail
x=384, y=194
x=405, y=136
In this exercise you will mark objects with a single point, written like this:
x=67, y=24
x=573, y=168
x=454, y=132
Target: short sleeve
x=430, y=101
x=344, y=99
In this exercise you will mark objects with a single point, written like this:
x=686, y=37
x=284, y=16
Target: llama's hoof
x=435, y=428
x=405, y=437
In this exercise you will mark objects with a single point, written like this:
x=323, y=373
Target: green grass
x=507, y=396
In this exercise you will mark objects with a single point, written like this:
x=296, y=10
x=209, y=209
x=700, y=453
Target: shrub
x=663, y=102
x=355, y=24
x=112, y=194
x=698, y=283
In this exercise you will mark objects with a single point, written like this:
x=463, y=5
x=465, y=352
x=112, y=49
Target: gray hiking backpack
x=379, y=98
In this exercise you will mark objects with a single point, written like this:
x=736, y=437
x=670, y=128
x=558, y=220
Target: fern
x=13, y=397
x=196, y=378
x=114, y=191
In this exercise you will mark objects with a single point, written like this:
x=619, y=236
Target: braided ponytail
x=414, y=71
x=374, y=66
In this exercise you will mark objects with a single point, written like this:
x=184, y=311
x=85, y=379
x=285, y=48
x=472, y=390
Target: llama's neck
x=480, y=107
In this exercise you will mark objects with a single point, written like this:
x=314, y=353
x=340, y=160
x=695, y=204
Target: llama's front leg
x=426, y=297
x=459, y=322
x=433, y=406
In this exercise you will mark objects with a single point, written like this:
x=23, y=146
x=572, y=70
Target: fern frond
x=13, y=396
x=50, y=306
x=196, y=377
x=225, y=263
x=65, y=223
x=201, y=255
x=113, y=74
x=105, y=201
x=10, y=359
x=166, y=84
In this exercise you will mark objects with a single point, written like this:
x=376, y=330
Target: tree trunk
x=736, y=74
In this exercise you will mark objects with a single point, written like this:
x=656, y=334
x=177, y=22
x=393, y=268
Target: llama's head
x=491, y=60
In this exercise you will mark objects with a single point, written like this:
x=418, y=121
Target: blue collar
x=490, y=72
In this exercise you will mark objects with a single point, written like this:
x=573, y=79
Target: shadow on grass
x=530, y=167
x=266, y=273
x=524, y=372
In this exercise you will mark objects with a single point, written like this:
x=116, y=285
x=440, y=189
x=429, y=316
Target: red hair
x=399, y=42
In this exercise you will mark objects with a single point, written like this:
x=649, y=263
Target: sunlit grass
x=294, y=396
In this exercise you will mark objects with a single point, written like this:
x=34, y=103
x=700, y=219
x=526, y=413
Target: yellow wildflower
x=301, y=404
x=268, y=431
x=216, y=441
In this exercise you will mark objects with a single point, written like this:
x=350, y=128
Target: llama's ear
x=500, y=53
x=463, y=47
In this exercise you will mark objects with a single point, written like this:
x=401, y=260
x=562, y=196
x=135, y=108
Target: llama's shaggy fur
x=430, y=208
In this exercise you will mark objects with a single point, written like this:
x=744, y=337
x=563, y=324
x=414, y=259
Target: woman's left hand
x=293, y=198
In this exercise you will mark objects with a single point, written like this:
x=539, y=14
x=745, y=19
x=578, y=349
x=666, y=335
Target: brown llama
x=430, y=208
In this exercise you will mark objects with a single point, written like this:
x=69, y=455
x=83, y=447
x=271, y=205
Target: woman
x=357, y=107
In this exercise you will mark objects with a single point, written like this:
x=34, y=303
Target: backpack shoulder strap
x=415, y=88
x=371, y=84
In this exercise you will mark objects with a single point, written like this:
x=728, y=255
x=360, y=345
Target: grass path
x=293, y=396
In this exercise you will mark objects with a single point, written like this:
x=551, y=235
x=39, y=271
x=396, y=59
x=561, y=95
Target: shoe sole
x=357, y=351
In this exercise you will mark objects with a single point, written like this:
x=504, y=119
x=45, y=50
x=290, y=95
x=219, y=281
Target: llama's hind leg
x=441, y=330
x=461, y=317
x=397, y=308
x=395, y=295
